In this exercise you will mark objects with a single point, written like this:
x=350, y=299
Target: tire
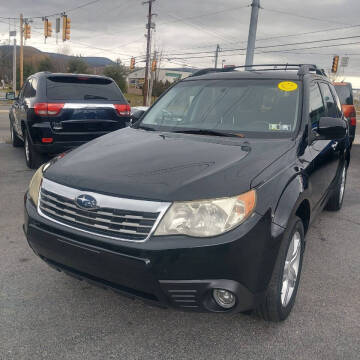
x=336, y=200
x=33, y=159
x=15, y=140
x=281, y=293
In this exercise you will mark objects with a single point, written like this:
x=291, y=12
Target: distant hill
x=92, y=61
x=33, y=56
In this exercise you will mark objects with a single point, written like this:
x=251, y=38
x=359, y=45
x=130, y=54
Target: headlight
x=207, y=217
x=35, y=183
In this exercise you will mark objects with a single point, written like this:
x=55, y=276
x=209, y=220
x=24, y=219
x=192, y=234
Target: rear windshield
x=251, y=107
x=82, y=88
x=345, y=94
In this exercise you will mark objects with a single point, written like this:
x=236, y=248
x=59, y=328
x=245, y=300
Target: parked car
x=204, y=203
x=346, y=97
x=56, y=112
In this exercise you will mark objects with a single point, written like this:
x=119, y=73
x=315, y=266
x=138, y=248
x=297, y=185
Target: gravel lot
x=47, y=315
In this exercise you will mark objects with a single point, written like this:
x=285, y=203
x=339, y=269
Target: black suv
x=204, y=203
x=56, y=112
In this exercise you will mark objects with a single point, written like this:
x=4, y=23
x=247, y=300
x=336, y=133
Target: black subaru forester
x=205, y=201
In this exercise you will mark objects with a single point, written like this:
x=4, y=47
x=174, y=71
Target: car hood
x=149, y=165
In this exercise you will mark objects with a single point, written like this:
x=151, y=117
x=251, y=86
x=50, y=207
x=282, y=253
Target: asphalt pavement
x=46, y=315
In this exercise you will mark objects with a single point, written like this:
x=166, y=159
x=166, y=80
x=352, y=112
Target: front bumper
x=167, y=271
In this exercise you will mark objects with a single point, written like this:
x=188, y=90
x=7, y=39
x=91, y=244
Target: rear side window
x=345, y=94
x=317, y=107
x=82, y=88
x=29, y=91
x=331, y=106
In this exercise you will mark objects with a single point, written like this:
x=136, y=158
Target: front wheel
x=281, y=293
x=336, y=200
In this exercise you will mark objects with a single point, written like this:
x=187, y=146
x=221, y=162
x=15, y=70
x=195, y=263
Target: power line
x=57, y=13
x=303, y=16
x=270, y=51
x=312, y=47
x=265, y=47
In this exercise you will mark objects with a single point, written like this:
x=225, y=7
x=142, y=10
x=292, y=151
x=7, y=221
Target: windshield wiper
x=148, y=128
x=208, y=132
x=87, y=97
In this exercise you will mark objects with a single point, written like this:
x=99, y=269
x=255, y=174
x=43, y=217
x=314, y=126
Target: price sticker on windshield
x=287, y=86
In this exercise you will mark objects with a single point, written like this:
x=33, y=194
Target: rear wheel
x=282, y=290
x=15, y=140
x=33, y=159
x=336, y=200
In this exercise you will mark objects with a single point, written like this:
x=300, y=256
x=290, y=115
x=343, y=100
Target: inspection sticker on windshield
x=287, y=86
x=280, y=127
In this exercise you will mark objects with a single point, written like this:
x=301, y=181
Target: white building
x=136, y=78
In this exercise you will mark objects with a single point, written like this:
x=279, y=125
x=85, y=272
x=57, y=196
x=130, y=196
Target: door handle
x=334, y=145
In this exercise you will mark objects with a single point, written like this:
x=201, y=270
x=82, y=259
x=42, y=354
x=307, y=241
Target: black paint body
x=291, y=176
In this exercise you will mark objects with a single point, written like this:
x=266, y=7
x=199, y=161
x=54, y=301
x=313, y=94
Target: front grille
x=106, y=221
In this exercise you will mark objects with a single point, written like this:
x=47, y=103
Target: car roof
x=256, y=75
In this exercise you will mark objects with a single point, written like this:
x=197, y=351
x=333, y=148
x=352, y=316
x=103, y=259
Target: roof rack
x=302, y=69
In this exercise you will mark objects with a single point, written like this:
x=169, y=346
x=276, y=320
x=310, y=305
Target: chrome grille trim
x=117, y=218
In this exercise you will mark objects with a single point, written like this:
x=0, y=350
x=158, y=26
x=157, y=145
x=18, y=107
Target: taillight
x=48, y=109
x=353, y=117
x=47, y=140
x=40, y=109
x=123, y=109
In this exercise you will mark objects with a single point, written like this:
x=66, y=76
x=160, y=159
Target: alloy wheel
x=342, y=185
x=27, y=150
x=291, y=269
x=11, y=133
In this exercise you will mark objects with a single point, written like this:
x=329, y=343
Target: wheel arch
x=293, y=202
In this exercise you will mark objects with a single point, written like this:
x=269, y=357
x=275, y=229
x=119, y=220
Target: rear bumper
x=352, y=131
x=58, y=146
x=62, y=141
x=158, y=271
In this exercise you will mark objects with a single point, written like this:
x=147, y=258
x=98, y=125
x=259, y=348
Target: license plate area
x=113, y=267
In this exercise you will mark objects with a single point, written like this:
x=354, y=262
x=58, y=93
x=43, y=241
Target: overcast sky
x=187, y=31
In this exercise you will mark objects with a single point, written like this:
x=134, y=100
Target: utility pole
x=14, y=66
x=217, y=55
x=152, y=79
x=150, y=25
x=252, y=33
x=21, y=50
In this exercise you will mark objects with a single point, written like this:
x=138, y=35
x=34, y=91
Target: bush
x=77, y=66
x=159, y=87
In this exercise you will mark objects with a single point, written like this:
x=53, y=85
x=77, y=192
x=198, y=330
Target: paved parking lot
x=47, y=315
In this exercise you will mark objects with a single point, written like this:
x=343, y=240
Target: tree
x=29, y=69
x=77, y=65
x=118, y=73
x=46, y=65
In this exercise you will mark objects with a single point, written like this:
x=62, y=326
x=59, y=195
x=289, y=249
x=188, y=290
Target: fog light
x=224, y=298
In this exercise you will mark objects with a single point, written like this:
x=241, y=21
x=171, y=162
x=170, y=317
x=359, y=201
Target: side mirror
x=136, y=115
x=10, y=95
x=332, y=128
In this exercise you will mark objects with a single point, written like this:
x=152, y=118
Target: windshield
x=243, y=107
x=345, y=94
x=82, y=88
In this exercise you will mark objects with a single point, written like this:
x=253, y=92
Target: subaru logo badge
x=86, y=202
